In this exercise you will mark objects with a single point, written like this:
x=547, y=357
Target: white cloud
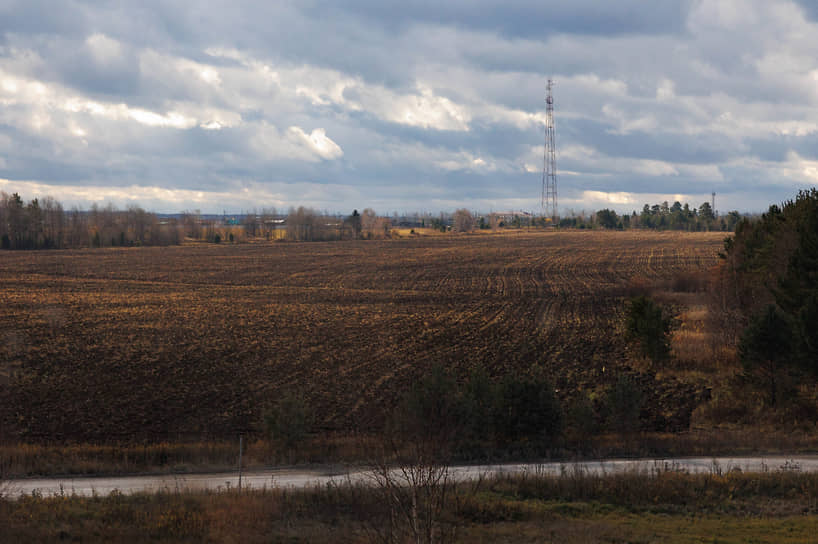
x=665, y=91
x=465, y=161
x=423, y=108
x=44, y=98
x=628, y=122
x=104, y=49
x=612, y=198
x=134, y=194
x=209, y=75
x=434, y=160
x=625, y=202
x=234, y=196
x=720, y=15
x=317, y=141
x=152, y=119
x=592, y=81
x=295, y=144
x=586, y=159
x=649, y=167
x=798, y=168
x=507, y=116
x=212, y=125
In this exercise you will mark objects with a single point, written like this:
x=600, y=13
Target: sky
x=407, y=106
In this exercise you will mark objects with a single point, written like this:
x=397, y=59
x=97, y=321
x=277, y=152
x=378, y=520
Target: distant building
x=510, y=217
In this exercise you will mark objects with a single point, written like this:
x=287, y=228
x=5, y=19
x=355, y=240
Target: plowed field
x=155, y=342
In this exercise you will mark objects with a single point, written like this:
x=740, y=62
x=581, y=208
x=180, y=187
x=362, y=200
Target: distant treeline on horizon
x=45, y=224
x=664, y=216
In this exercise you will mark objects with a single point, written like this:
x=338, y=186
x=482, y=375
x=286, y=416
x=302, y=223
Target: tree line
x=768, y=296
x=301, y=224
x=664, y=216
x=306, y=224
x=44, y=224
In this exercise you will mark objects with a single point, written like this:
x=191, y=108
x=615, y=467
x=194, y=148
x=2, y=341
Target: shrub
x=765, y=348
x=477, y=408
x=429, y=415
x=623, y=404
x=288, y=421
x=647, y=325
x=527, y=409
x=443, y=418
x=581, y=416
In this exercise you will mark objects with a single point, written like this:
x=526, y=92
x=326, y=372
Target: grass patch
x=657, y=506
x=23, y=459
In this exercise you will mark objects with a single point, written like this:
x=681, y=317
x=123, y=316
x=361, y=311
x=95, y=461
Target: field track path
x=295, y=478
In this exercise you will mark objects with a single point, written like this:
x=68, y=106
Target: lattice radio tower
x=549, y=168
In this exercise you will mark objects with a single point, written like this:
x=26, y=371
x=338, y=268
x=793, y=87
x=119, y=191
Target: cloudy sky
x=407, y=106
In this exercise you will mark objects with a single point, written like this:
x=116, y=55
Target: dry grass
x=762, y=434
x=20, y=460
x=419, y=231
x=640, y=506
x=693, y=342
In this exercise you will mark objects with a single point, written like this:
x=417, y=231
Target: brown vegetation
x=43, y=224
x=195, y=342
x=653, y=505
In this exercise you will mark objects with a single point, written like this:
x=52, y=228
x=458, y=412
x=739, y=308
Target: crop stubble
x=153, y=343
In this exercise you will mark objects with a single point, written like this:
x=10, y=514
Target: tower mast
x=548, y=201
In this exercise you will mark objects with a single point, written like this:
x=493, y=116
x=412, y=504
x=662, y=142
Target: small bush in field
x=288, y=421
x=581, y=416
x=624, y=403
x=429, y=412
x=518, y=410
x=647, y=325
x=527, y=409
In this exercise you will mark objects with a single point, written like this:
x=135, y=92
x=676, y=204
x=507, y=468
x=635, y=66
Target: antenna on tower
x=548, y=201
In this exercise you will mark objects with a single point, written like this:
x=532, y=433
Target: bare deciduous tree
x=301, y=224
x=374, y=226
x=416, y=493
x=43, y=223
x=463, y=221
